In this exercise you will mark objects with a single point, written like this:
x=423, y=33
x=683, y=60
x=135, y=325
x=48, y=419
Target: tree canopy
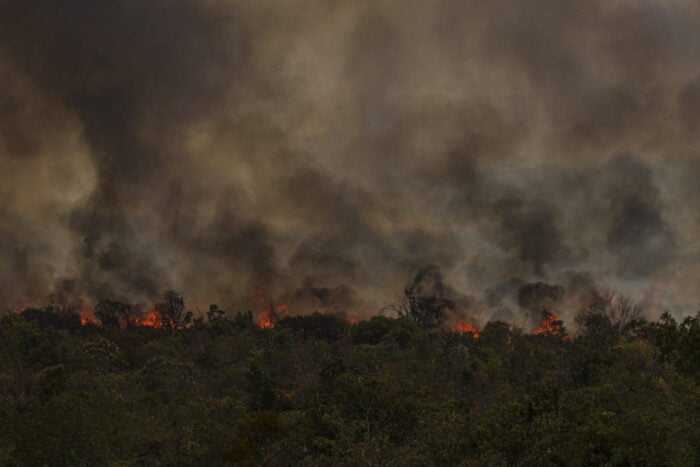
x=318, y=390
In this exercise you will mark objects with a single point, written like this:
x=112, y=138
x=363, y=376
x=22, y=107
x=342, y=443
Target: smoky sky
x=323, y=152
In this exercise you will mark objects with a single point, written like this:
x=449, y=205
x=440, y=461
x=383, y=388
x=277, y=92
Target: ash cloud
x=326, y=154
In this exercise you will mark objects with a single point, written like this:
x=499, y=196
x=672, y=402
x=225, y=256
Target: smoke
x=325, y=153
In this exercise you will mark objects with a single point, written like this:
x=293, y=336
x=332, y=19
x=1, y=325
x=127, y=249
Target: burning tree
x=170, y=312
x=551, y=325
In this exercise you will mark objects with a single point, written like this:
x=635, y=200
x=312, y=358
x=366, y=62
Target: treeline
x=317, y=390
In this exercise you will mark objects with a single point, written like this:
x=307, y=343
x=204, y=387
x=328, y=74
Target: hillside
x=317, y=390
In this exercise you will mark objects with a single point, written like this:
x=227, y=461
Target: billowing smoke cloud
x=326, y=153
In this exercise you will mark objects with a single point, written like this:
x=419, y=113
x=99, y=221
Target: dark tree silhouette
x=171, y=311
x=423, y=301
x=110, y=312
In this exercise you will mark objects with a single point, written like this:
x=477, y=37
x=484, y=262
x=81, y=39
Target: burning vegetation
x=273, y=313
x=551, y=325
x=87, y=317
x=426, y=302
x=426, y=372
x=270, y=313
x=393, y=389
x=468, y=328
x=168, y=315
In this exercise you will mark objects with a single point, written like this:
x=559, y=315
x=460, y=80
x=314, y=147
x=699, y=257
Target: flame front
x=468, y=328
x=551, y=324
x=152, y=319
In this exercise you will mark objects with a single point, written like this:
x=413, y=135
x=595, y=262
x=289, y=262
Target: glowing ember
x=468, y=328
x=353, y=320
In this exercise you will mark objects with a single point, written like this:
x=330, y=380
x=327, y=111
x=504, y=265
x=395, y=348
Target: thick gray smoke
x=324, y=152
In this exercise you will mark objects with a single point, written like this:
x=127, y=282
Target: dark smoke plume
x=325, y=152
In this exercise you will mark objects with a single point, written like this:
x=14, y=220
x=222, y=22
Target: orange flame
x=87, y=317
x=552, y=326
x=549, y=325
x=266, y=318
x=468, y=328
x=270, y=315
x=151, y=320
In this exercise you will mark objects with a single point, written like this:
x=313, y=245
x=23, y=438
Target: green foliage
x=315, y=390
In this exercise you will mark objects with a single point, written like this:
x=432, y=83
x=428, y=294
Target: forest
x=167, y=388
